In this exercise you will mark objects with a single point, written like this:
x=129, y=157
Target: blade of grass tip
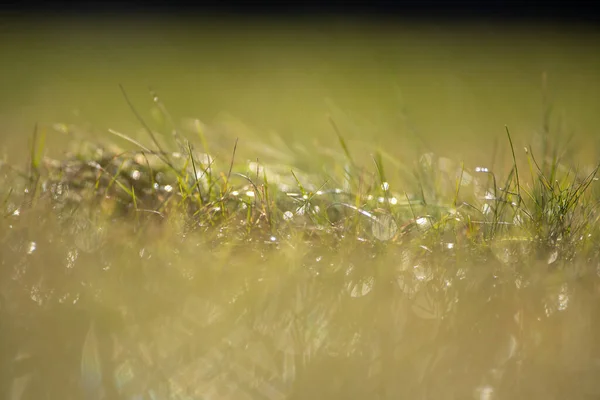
x=37, y=149
x=379, y=165
x=541, y=177
x=358, y=210
x=458, y=183
x=267, y=200
x=196, y=180
x=256, y=191
x=150, y=173
x=201, y=135
x=412, y=211
x=115, y=180
x=357, y=195
x=209, y=180
x=232, y=161
x=342, y=141
x=302, y=190
x=40, y=146
x=583, y=187
x=249, y=180
x=319, y=189
x=382, y=179
x=130, y=140
x=257, y=168
x=512, y=149
x=32, y=150
x=162, y=154
x=135, y=206
x=208, y=170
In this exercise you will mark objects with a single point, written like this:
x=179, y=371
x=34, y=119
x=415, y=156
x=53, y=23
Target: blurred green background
x=454, y=86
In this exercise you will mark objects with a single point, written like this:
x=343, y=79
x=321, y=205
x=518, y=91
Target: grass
x=551, y=211
x=378, y=264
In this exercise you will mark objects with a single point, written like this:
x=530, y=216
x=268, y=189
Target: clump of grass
x=442, y=205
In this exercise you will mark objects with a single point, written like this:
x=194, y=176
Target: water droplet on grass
x=384, y=228
x=31, y=248
x=553, y=257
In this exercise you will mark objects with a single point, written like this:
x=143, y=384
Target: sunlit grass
x=394, y=271
x=551, y=209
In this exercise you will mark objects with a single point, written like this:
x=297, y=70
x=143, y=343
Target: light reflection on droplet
x=449, y=246
x=31, y=248
x=235, y=193
x=71, y=258
x=385, y=186
x=563, y=297
x=319, y=258
x=250, y=193
x=135, y=174
x=273, y=239
x=421, y=273
x=486, y=209
x=35, y=295
x=288, y=215
x=393, y=201
x=17, y=212
x=553, y=257
x=384, y=228
x=481, y=169
x=485, y=392
x=168, y=188
x=423, y=222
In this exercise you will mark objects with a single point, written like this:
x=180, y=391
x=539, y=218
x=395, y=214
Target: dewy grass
x=442, y=205
x=557, y=208
x=190, y=255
